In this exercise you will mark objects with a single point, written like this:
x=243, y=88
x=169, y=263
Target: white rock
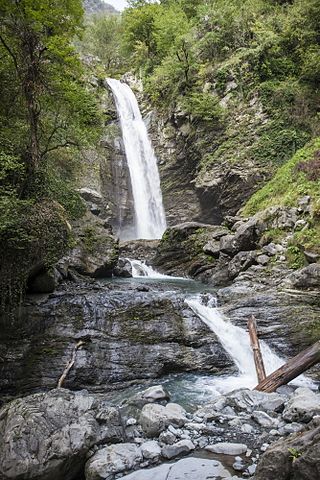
x=247, y=428
x=302, y=406
x=179, y=448
x=155, y=418
x=187, y=468
x=155, y=394
x=227, y=448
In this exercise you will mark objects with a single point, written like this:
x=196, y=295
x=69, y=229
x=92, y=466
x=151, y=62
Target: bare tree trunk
x=255, y=345
x=69, y=364
x=294, y=367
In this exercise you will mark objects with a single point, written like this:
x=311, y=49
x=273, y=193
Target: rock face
x=157, y=330
x=47, y=436
x=96, y=251
x=296, y=457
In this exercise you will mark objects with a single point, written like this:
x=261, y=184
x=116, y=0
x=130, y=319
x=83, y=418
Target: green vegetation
x=289, y=183
x=47, y=116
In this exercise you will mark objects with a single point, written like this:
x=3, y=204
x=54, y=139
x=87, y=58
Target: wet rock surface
x=117, y=324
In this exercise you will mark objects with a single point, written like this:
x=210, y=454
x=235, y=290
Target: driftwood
x=70, y=363
x=292, y=369
x=255, y=345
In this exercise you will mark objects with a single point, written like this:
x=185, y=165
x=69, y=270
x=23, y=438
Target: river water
x=188, y=389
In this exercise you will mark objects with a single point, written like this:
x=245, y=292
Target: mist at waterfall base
x=149, y=214
x=234, y=339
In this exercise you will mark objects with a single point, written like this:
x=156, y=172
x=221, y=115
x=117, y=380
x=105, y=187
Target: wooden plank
x=292, y=369
x=255, y=345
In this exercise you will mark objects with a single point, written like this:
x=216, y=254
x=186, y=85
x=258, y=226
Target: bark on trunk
x=255, y=345
x=292, y=369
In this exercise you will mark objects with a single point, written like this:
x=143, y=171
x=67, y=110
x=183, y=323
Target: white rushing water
x=150, y=220
x=140, y=269
x=236, y=342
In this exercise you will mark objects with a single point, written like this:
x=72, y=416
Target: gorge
x=159, y=184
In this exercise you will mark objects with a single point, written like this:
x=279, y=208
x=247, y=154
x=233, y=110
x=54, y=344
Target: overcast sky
x=118, y=4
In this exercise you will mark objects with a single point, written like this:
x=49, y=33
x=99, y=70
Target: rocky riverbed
x=67, y=435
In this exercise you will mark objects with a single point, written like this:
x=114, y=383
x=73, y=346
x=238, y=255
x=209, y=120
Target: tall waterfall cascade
x=149, y=214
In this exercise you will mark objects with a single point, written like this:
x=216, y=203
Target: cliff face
x=98, y=6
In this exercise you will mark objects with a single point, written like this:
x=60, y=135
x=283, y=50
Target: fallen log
x=70, y=363
x=255, y=345
x=292, y=369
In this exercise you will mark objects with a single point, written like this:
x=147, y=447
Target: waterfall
x=236, y=342
x=150, y=220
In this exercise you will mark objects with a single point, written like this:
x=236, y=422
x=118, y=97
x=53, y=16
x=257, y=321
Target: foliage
x=47, y=115
x=32, y=236
x=102, y=39
x=288, y=184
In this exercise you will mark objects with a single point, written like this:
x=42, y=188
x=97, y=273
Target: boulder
x=241, y=262
x=307, y=277
x=123, y=268
x=111, y=460
x=155, y=418
x=183, y=447
x=48, y=435
x=263, y=419
x=295, y=458
x=151, y=450
x=187, y=468
x=155, y=394
x=212, y=248
x=250, y=400
x=302, y=406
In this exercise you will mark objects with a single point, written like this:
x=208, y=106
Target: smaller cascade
x=140, y=269
x=150, y=219
x=236, y=342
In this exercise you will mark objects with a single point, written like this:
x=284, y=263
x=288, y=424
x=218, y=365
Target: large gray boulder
x=295, y=458
x=303, y=406
x=111, y=460
x=188, y=468
x=155, y=418
x=46, y=436
x=307, y=277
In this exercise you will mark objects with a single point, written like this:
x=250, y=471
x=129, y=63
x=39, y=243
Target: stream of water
x=234, y=339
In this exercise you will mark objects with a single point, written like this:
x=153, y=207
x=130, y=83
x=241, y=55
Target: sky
x=118, y=4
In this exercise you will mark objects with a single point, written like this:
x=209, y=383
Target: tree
x=102, y=39
x=35, y=42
